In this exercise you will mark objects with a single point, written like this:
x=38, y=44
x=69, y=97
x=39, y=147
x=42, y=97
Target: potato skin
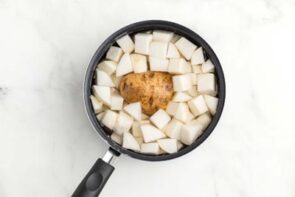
x=153, y=89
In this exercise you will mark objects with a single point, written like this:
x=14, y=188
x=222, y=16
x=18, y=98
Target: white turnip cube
x=114, y=53
x=103, y=93
x=208, y=67
x=96, y=104
x=212, y=103
x=185, y=47
x=117, y=138
x=150, y=148
x=108, y=67
x=130, y=142
x=194, y=78
x=103, y=79
x=151, y=133
x=198, y=105
x=157, y=64
x=207, y=84
x=109, y=119
x=183, y=113
x=175, y=38
x=172, y=51
x=171, y=108
x=134, y=110
x=198, y=57
x=158, y=49
x=136, y=131
x=190, y=132
x=116, y=80
x=181, y=97
x=123, y=124
x=204, y=119
x=126, y=43
x=139, y=63
x=160, y=118
x=179, y=145
x=173, y=129
x=116, y=101
x=139, y=140
x=100, y=116
x=168, y=145
x=124, y=66
x=164, y=36
x=142, y=43
x=178, y=66
x=193, y=91
x=181, y=83
x=197, y=68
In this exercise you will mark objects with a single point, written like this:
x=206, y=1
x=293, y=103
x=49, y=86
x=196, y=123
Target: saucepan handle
x=97, y=177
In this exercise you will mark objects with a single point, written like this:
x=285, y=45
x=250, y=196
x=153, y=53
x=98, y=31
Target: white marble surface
x=47, y=144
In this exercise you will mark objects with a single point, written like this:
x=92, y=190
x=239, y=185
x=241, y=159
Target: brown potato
x=153, y=89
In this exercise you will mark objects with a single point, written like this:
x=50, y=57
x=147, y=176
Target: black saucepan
x=94, y=181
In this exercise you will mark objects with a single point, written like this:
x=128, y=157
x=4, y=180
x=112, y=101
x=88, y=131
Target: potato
x=103, y=79
x=181, y=83
x=130, y=142
x=126, y=43
x=185, y=47
x=160, y=118
x=103, y=93
x=114, y=53
x=212, y=103
x=97, y=105
x=124, y=66
x=207, y=84
x=168, y=145
x=108, y=67
x=198, y=105
x=164, y=36
x=134, y=109
x=142, y=43
x=150, y=148
x=123, y=124
x=109, y=119
x=198, y=57
x=139, y=63
x=151, y=133
x=157, y=64
x=172, y=51
x=173, y=129
x=208, y=67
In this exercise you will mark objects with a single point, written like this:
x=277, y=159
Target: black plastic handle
x=94, y=181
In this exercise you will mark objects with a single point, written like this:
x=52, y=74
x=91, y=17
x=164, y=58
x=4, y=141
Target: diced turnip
x=181, y=97
x=100, y=116
x=103, y=93
x=194, y=78
x=179, y=145
x=126, y=43
x=139, y=140
x=150, y=148
x=193, y=91
x=185, y=47
x=197, y=68
x=168, y=145
x=175, y=38
x=108, y=67
x=116, y=80
x=136, y=131
x=160, y=118
x=96, y=104
x=116, y=101
x=130, y=142
x=151, y=133
x=124, y=66
x=144, y=117
x=157, y=64
x=116, y=138
x=198, y=105
x=123, y=124
x=173, y=129
x=171, y=108
x=134, y=109
x=109, y=119
x=114, y=53
x=142, y=43
x=208, y=67
x=190, y=132
x=103, y=79
x=172, y=51
x=204, y=119
x=158, y=49
x=198, y=57
x=178, y=66
x=207, y=84
x=181, y=83
x=183, y=113
x=164, y=36
x=139, y=63
x=211, y=102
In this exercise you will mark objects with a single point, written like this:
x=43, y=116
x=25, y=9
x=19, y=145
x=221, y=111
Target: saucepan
x=96, y=178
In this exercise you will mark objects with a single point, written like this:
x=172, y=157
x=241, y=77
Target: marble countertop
x=47, y=143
